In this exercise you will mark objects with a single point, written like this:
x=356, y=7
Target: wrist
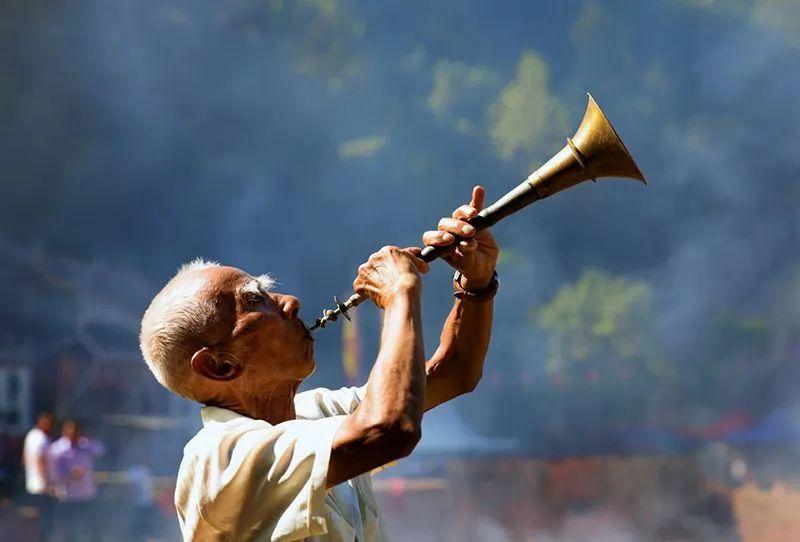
x=403, y=292
x=476, y=283
x=472, y=292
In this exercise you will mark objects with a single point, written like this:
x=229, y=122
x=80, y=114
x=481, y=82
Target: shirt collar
x=212, y=414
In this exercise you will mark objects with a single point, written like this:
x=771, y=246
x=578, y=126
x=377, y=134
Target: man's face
x=259, y=328
x=71, y=431
x=46, y=424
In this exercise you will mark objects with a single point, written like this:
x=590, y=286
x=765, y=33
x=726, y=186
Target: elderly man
x=270, y=464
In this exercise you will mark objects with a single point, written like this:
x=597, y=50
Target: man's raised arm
x=457, y=365
x=387, y=424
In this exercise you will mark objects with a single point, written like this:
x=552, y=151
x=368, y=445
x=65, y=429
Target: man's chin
x=309, y=364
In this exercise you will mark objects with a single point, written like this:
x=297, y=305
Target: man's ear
x=211, y=365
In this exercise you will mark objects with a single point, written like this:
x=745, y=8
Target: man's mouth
x=306, y=329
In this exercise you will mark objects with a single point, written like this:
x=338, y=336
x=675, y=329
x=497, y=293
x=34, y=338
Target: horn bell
x=594, y=151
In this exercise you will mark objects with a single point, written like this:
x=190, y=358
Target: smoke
x=297, y=137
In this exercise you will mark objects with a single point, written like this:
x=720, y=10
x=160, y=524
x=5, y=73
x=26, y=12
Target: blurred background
x=642, y=379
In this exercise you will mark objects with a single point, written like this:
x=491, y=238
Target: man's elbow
x=471, y=381
x=398, y=437
x=407, y=441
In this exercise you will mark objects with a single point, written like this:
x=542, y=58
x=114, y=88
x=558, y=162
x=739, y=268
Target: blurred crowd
x=59, y=478
x=61, y=484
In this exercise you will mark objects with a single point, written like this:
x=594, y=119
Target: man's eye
x=253, y=299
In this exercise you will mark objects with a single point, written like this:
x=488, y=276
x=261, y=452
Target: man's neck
x=273, y=403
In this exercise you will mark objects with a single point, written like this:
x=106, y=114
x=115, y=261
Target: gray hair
x=177, y=323
x=173, y=326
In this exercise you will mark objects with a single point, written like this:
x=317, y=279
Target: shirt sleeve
x=37, y=449
x=268, y=481
x=323, y=403
x=36, y=446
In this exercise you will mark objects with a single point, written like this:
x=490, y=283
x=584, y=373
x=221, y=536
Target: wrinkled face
x=260, y=329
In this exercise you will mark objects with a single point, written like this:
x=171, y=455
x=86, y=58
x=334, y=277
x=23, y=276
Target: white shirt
x=35, y=448
x=244, y=479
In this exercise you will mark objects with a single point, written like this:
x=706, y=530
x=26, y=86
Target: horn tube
x=594, y=151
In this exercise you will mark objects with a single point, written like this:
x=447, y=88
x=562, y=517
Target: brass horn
x=594, y=151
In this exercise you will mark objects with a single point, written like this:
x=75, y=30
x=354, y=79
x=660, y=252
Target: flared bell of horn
x=594, y=151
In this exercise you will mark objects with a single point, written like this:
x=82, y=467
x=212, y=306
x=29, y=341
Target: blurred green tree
x=598, y=322
x=460, y=93
x=526, y=114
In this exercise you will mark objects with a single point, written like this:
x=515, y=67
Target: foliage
x=459, y=93
x=329, y=32
x=362, y=147
x=526, y=114
x=599, y=316
x=781, y=15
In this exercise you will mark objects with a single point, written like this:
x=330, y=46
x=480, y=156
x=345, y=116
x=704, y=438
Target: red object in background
x=733, y=421
x=573, y=480
x=166, y=502
x=398, y=489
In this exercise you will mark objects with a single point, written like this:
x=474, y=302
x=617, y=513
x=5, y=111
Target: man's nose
x=290, y=306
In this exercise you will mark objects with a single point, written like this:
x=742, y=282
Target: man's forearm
x=396, y=385
x=457, y=365
x=388, y=423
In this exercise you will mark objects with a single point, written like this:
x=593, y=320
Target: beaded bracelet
x=484, y=294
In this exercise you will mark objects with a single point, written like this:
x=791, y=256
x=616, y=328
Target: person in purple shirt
x=72, y=475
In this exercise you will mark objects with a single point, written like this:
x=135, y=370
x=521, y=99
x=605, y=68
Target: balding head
x=190, y=312
x=177, y=320
x=218, y=335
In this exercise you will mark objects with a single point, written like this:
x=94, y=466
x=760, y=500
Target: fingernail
x=467, y=230
x=447, y=238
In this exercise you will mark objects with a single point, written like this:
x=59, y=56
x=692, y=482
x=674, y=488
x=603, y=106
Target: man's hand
x=476, y=255
x=388, y=273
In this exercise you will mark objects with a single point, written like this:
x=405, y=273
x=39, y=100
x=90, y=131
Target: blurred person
x=71, y=461
x=272, y=464
x=143, y=514
x=37, y=476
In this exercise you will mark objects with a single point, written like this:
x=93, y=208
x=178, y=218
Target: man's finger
x=467, y=245
x=465, y=212
x=437, y=238
x=456, y=227
x=422, y=265
x=478, y=195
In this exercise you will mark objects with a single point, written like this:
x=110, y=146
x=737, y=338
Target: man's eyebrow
x=266, y=282
x=258, y=285
x=250, y=287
